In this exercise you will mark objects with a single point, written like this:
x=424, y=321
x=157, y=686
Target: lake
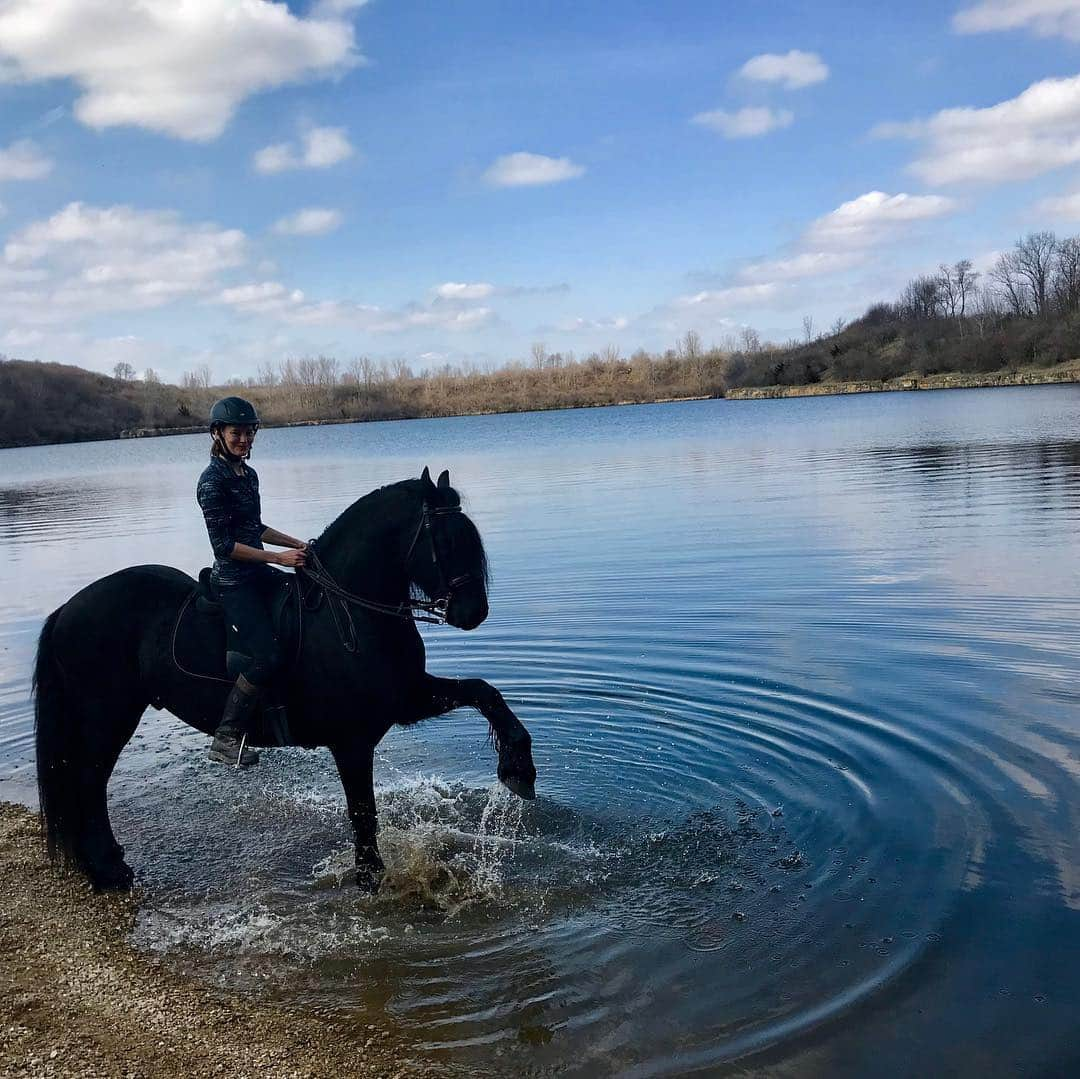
x=803, y=681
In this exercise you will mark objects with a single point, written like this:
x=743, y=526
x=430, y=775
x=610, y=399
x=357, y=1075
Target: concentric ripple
x=801, y=680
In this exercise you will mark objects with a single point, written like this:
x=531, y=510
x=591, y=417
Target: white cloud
x=807, y=264
x=324, y=8
x=736, y=295
x=527, y=170
x=274, y=299
x=312, y=221
x=746, y=123
x=87, y=260
x=1047, y=18
x=1063, y=207
x=23, y=160
x=591, y=325
x=319, y=148
x=1022, y=137
x=178, y=68
x=453, y=290
x=793, y=70
x=867, y=219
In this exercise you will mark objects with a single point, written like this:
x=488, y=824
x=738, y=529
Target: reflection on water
x=802, y=682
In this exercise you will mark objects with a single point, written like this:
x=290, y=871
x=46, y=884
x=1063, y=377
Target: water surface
x=802, y=682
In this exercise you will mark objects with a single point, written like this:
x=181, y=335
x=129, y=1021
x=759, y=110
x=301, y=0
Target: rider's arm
x=241, y=552
x=281, y=539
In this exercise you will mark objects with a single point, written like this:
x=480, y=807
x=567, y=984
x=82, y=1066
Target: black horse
x=357, y=666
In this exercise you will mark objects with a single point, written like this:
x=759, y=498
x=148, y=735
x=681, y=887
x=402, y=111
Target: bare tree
x=1066, y=286
x=838, y=324
x=808, y=328
x=328, y=371
x=267, y=374
x=922, y=298
x=151, y=377
x=1011, y=286
x=539, y=355
x=362, y=370
x=123, y=371
x=690, y=346
x=203, y=376
x=749, y=340
x=1034, y=262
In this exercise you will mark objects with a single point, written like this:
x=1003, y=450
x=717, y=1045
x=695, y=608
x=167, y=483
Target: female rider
x=228, y=492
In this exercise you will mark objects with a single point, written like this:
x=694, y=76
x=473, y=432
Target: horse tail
x=55, y=738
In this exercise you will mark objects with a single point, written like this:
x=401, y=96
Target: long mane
x=369, y=504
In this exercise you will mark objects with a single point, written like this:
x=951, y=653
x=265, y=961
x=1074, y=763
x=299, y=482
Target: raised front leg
x=355, y=761
x=513, y=742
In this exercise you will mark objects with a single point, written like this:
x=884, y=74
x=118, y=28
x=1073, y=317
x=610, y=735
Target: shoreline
x=1027, y=376
x=78, y=999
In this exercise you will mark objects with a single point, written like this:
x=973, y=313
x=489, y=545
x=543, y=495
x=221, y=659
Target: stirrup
x=227, y=748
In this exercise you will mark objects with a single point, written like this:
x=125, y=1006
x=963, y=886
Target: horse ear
x=425, y=476
x=444, y=479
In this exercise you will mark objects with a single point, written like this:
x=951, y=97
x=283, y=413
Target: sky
x=231, y=183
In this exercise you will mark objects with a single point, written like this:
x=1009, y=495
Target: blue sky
x=232, y=182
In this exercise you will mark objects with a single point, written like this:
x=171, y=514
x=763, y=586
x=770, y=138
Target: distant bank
x=1031, y=376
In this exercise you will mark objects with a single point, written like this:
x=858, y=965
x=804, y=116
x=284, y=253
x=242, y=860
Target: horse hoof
x=523, y=788
x=118, y=879
x=368, y=880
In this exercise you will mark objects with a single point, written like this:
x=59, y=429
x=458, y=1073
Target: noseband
x=418, y=610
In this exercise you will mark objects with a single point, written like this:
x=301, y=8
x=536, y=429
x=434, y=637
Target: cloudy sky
x=235, y=181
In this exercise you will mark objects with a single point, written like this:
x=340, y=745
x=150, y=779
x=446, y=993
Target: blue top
x=233, y=513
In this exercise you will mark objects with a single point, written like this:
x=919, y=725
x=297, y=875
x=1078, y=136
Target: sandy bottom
x=76, y=999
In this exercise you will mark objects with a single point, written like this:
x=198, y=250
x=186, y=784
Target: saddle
x=199, y=650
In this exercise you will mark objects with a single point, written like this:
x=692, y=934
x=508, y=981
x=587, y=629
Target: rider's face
x=238, y=438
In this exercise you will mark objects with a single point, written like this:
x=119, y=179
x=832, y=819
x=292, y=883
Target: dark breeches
x=253, y=646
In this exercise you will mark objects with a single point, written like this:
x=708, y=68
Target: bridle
x=417, y=610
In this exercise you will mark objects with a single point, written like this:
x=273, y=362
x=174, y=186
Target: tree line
x=1024, y=309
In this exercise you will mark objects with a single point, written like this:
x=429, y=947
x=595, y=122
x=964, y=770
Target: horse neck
x=365, y=548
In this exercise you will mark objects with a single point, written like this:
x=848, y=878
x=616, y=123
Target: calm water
x=802, y=679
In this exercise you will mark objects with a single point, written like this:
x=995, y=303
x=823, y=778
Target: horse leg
x=355, y=761
x=516, y=771
x=97, y=852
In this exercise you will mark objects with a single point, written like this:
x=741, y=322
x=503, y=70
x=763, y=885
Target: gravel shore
x=76, y=999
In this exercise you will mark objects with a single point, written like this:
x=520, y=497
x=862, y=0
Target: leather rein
x=417, y=610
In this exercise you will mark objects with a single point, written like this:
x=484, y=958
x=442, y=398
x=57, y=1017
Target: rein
x=416, y=610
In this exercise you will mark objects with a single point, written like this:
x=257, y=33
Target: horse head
x=446, y=560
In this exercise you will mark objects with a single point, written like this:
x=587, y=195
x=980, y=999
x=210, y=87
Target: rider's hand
x=292, y=559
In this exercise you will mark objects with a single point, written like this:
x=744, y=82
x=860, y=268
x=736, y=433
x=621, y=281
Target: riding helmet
x=233, y=411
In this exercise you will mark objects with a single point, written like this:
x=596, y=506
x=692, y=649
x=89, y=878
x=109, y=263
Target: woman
x=228, y=493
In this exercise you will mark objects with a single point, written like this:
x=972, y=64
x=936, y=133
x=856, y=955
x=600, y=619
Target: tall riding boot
x=228, y=747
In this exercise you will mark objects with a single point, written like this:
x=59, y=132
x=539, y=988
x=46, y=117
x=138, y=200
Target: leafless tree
x=151, y=377
x=749, y=340
x=1066, y=286
x=690, y=346
x=267, y=374
x=123, y=371
x=808, y=328
x=539, y=355
x=1011, y=286
x=838, y=325
x=1035, y=256
x=922, y=298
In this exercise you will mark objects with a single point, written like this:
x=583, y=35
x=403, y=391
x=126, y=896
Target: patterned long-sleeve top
x=233, y=513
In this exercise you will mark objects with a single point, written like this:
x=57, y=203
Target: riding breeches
x=253, y=646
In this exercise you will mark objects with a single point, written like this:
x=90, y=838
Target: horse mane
x=364, y=505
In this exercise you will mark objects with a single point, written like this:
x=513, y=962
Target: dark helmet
x=233, y=411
